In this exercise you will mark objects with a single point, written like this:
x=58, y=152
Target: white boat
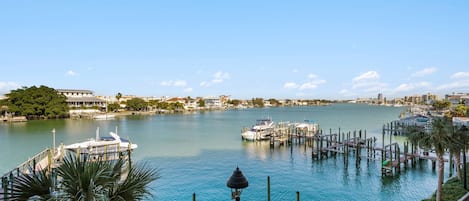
x=261, y=131
x=101, y=145
x=308, y=127
x=104, y=116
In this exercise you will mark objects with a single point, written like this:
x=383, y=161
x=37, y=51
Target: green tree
x=274, y=102
x=136, y=104
x=459, y=111
x=118, y=96
x=176, y=106
x=438, y=139
x=35, y=102
x=459, y=137
x=113, y=107
x=201, y=103
x=441, y=105
x=258, y=102
x=86, y=180
x=235, y=102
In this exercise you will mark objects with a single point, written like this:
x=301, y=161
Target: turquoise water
x=196, y=153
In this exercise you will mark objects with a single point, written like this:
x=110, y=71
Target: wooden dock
x=324, y=145
x=49, y=159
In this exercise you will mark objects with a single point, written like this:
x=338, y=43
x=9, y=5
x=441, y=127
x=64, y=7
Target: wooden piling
x=268, y=188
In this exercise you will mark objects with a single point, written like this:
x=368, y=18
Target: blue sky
x=269, y=49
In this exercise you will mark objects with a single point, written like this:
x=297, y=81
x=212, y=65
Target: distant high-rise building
x=380, y=98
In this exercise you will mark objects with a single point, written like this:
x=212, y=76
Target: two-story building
x=81, y=98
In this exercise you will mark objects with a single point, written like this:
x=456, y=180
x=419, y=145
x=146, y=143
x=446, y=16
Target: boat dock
x=323, y=145
x=51, y=158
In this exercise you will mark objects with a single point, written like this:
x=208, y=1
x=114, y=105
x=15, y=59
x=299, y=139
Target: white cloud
x=424, y=72
x=312, y=76
x=71, y=73
x=290, y=85
x=171, y=83
x=220, y=76
x=204, y=84
x=460, y=75
x=312, y=83
x=369, y=82
x=460, y=84
x=411, y=86
x=180, y=83
x=188, y=89
x=166, y=83
x=295, y=70
x=461, y=81
x=370, y=75
x=6, y=87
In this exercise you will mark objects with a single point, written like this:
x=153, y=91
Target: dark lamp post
x=237, y=182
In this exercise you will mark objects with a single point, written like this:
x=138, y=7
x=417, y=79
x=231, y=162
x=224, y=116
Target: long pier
x=324, y=145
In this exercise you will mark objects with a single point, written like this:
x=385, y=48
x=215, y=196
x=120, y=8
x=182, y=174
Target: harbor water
x=197, y=153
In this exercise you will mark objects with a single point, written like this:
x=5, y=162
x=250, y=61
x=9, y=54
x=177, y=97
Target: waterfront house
x=81, y=98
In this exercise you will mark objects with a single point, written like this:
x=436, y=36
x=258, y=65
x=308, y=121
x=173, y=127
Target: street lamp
x=237, y=182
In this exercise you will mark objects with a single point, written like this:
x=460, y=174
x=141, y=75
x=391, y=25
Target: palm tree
x=438, y=139
x=26, y=186
x=85, y=180
x=459, y=138
x=414, y=134
x=118, y=96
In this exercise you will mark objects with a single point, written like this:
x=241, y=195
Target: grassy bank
x=453, y=189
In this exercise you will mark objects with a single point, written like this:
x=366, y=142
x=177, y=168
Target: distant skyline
x=245, y=49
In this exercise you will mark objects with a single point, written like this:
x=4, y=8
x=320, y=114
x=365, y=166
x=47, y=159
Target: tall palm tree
x=85, y=180
x=459, y=137
x=439, y=139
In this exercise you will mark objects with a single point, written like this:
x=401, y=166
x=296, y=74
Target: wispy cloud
x=188, y=90
x=405, y=87
x=71, y=73
x=424, y=72
x=218, y=77
x=460, y=81
x=204, y=84
x=290, y=85
x=368, y=82
x=460, y=75
x=459, y=84
x=6, y=87
x=313, y=82
x=171, y=83
x=370, y=75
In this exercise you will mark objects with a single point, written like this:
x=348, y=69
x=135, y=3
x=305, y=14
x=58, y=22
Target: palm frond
x=35, y=184
x=135, y=185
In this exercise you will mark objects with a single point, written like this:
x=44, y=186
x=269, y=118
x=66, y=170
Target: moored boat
x=102, y=145
x=261, y=131
x=308, y=127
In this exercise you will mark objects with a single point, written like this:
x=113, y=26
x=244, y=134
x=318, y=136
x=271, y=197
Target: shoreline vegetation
x=45, y=103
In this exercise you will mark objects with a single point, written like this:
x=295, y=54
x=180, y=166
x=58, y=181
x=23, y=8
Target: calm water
x=198, y=152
